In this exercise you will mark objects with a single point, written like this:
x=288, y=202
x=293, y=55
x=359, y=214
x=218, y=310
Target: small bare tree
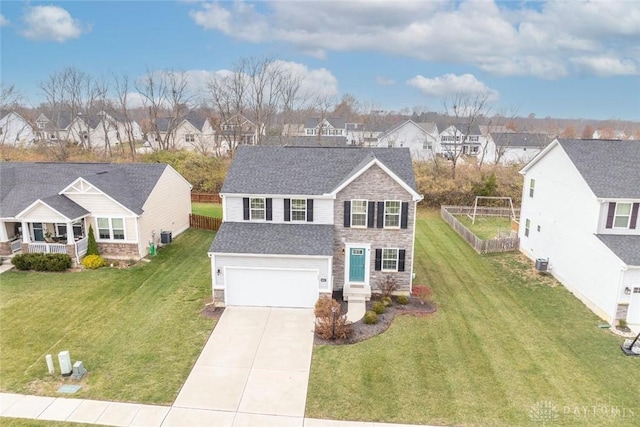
x=467, y=112
x=121, y=87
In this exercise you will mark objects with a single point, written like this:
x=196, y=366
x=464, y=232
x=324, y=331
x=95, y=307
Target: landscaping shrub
x=92, y=262
x=402, y=299
x=325, y=327
x=387, y=285
x=422, y=292
x=387, y=301
x=92, y=246
x=370, y=318
x=378, y=307
x=42, y=262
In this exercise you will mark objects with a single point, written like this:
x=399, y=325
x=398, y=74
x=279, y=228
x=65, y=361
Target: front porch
x=75, y=250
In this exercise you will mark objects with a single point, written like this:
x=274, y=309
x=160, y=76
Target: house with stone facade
x=301, y=222
x=49, y=207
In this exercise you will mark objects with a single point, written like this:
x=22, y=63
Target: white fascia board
x=40, y=202
x=539, y=156
x=251, y=255
x=288, y=196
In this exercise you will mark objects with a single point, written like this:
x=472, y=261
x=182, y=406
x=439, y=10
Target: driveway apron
x=256, y=361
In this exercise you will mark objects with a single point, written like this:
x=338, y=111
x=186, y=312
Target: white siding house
x=580, y=212
x=15, y=129
x=421, y=139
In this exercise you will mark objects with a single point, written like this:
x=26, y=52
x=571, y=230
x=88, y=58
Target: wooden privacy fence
x=501, y=244
x=204, y=222
x=205, y=198
x=482, y=211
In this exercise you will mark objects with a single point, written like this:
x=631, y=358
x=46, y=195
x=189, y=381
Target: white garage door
x=271, y=287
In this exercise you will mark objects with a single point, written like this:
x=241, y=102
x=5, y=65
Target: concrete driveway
x=253, y=370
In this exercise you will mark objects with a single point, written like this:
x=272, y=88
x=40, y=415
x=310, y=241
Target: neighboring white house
x=49, y=207
x=325, y=127
x=15, y=129
x=514, y=147
x=609, y=134
x=112, y=128
x=580, y=212
x=421, y=139
x=299, y=222
x=461, y=137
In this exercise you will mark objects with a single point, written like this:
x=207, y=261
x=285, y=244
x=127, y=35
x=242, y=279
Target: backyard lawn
x=138, y=331
x=506, y=347
x=207, y=209
x=487, y=227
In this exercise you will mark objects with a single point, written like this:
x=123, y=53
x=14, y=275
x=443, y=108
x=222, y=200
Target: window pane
x=257, y=203
x=118, y=234
x=298, y=209
x=117, y=223
x=392, y=214
x=623, y=212
x=358, y=213
x=389, y=259
x=103, y=223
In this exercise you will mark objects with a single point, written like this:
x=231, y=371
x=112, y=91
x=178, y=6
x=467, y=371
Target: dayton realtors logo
x=547, y=412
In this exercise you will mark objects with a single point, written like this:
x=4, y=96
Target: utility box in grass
x=542, y=264
x=64, y=358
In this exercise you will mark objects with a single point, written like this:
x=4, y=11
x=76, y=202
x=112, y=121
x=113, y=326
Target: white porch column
x=70, y=238
x=26, y=238
x=3, y=232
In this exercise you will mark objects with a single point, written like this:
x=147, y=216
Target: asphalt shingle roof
x=22, y=183
x=306, y=141
x=274, y=239
x=611, y=168
x=626, y=247
x=520, y=139
x=307, y=170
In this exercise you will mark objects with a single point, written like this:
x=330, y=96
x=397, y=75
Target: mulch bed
x=362, y=331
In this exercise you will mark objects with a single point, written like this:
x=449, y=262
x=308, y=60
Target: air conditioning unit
x=542, y=264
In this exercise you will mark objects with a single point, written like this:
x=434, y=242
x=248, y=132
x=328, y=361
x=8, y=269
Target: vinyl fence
x=502, y=244
x=204, y=222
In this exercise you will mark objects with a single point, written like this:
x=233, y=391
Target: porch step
x=356, y=307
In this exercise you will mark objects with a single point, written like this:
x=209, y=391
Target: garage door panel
x=271, y=287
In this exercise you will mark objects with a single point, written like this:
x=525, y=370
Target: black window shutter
x=401, y=255
x=245, y=205
x=287, y=209
x=347, y=213
x=634, y=216
x=309, y=210
x=269, y=206
x=380, y=215
x=378, y=259
x=404, y=215
x=611, y=214
x=371, y=214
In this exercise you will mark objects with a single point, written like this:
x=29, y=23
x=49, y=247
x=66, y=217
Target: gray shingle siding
x=22, y=183
x=273, y=239
x=611, y=168
x=307, y=170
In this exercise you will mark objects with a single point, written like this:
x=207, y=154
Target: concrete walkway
x=253, y=372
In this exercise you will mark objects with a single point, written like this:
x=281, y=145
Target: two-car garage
x=271, y=287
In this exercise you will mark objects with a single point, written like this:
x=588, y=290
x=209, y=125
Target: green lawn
x=503, y=340
x=486, y=227
x=21, y=422
x=138, y=331
x=207, y=209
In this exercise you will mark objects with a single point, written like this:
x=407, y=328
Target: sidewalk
x=137, y=415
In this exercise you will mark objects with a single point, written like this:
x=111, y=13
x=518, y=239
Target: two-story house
x=464, y=138
x=580, y=213
x=300, y=222
x=515, y=147
x=421, y=139
x=15, y=129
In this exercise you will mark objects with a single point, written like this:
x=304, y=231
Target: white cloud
x=506, y=39
x=606, y=66
x=3, y=21
x=452, y=85
x=383, y=81
x=50, y=23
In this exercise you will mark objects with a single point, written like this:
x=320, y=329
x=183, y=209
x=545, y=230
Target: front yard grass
x=504, y=339
x=138, y=331
x=487, y=227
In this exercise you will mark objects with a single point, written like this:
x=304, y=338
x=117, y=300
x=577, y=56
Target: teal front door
x=356, y=264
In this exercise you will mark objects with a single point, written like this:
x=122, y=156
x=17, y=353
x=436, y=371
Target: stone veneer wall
x=5, y=248
x=373, y=185
x=118, y=250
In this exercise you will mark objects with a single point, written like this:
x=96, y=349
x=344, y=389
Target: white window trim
x=382, y=259
x=532, y=187
x=366, y=213
x=303, y=210
x=527, y=227
x=615, y=216
x=263, y=209
x=399, y=214
x=111, y=239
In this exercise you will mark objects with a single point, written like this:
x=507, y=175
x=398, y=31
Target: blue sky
x=568, y=59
